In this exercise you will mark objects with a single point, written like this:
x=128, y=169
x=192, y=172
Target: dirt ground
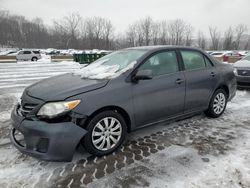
x=196, y=152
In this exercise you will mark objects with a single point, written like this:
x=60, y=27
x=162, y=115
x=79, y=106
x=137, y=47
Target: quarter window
x=161, y=63
x=193, y=60
x=36, y=52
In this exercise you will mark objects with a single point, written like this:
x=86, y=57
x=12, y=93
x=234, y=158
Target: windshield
x=247, y=58
x=111, y=65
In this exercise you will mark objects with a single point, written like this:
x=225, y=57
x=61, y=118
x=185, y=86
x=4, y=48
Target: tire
x=101, y=140
x=217, y=104
x=34, y=59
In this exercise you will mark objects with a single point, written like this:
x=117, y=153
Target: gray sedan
x=119, y=93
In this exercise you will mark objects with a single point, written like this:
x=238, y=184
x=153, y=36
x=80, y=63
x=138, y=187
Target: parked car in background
x=209, y=52
x=244, y=53
x=225, y=55
x=28, y=55
x=120, y=92
x=14, y=53
x=242, y=72
x=9, y=53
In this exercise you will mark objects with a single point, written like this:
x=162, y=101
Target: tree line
x=73, y=31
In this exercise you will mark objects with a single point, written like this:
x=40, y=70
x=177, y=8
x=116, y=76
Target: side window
x=208, y=62
x=161, y=63
x=27, y=52
x=193, y=60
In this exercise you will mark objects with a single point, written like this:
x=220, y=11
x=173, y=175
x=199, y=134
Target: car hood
x=63, y=86
x=242, y=63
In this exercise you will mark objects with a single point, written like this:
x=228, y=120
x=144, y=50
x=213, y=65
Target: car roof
x=163, y=47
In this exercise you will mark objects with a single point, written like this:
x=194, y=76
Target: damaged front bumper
x=46, y=141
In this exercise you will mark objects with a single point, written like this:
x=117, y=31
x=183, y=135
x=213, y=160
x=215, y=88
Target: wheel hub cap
x=106, y=133
x=219, y=103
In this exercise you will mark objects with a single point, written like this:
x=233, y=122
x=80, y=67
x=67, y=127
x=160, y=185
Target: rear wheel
x=34, y=59
x=217, y=104
x=106, y=132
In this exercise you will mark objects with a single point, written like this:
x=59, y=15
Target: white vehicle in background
x=209, y=52
x=28, y=55
x=49, y=51
x=221, y=53
x=244, y=53
x=9, y=52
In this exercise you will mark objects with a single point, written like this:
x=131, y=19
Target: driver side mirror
x=143, y=75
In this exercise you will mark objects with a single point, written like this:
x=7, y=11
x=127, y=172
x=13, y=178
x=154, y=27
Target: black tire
x=211, y=112
x=88, y=139
x=34, y=59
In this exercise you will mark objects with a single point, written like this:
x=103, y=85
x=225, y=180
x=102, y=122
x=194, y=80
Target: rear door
x=201, y=79
x=163, y=96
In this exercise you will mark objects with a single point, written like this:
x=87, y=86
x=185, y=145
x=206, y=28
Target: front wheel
x=106, y=132
x=217, y=104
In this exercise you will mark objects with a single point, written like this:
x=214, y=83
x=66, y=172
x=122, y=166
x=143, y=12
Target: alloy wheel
x=219, y=103
x=106, y=133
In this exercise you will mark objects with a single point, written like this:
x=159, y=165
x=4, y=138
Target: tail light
x=225, y=58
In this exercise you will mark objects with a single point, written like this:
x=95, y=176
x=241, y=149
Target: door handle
x=179, y=81
x=212, y=74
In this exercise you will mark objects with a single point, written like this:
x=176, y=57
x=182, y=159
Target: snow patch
x=101, y=71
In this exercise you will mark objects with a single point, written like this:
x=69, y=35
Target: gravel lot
x=195, y=152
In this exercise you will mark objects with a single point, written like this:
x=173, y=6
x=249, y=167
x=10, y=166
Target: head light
x=235, y=72
x=54, y=109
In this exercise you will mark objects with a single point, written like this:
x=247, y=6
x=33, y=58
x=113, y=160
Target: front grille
x=244, y=72
x=243, y=84
x=25, y=109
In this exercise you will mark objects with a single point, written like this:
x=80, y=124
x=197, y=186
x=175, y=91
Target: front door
x=162, y=96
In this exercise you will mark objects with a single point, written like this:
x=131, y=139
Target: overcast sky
x=199, y=13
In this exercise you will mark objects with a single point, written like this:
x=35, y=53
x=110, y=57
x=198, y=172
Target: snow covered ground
x=194, y=153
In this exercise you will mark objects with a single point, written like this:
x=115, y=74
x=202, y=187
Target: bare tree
x=239, y=31
x=74, y=32
x=135, y=34
x=69, y=26
x=131, y=35
x=155, y=33
x=215, y=38
x=189, y=30
x=98, y=33
x=247, y=45
x=146, y=29
x=163, y=33
x=108, y=32
x=228, y=39
x=201, y=40
x=176, y=29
